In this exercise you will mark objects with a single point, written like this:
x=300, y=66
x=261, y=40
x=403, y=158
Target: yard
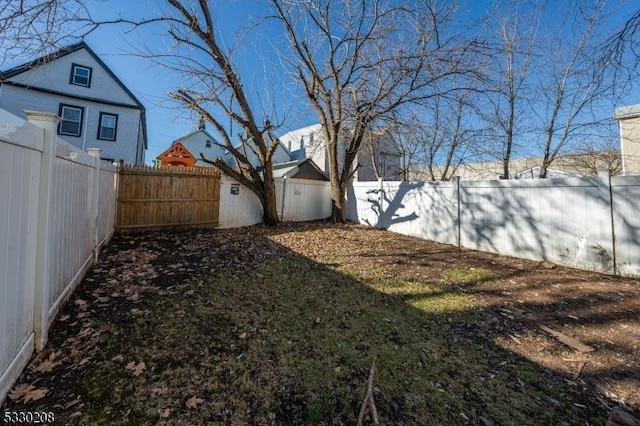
x=281, y=326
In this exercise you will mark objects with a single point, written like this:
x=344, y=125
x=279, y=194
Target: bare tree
x=30, y=27
x=446, y=136
x=511, y=52
x=216, y=85
x=621, y=53
x=406, y=132
x=573, y=83
x=360, y=60
x=591, y=156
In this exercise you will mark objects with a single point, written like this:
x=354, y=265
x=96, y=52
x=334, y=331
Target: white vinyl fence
x=57, y=210
x=298, y=200
x=588, y=223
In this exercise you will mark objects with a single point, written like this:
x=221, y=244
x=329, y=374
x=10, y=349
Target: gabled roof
x=291, y=168
x=177, y=150
x=188, y=135
x=4, y=75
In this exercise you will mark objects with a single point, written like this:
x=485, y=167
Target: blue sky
x=117, y=46
x=166, y=121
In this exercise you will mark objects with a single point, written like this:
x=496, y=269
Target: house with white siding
x=379, y=155
x=96, y=109
x=200, y=143
x=629, y=122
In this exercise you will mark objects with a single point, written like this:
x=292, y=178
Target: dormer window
x=80, y=75
x=208, y=143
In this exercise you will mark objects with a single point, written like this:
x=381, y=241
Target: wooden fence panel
x=151, y=198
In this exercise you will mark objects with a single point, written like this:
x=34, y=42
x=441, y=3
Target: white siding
x=196, y=144
x=16, y=100
x=55, y=75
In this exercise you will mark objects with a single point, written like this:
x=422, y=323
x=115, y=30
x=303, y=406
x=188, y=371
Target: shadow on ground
x=281, y=326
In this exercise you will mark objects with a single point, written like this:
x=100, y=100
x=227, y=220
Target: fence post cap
x=94, y=151
x=42, y=116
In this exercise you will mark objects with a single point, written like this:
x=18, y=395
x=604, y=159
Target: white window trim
x=70, y=107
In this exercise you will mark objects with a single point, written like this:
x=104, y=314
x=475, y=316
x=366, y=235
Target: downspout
x=84, y=131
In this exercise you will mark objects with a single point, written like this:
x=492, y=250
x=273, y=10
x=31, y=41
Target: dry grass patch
x=280, y=326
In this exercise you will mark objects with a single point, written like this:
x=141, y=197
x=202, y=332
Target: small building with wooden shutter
x=176, y=156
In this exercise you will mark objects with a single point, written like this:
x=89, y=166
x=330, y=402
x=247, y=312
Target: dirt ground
x=599, y=310
x=248, y=327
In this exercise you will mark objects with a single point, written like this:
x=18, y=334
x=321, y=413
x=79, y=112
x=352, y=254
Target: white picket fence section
x=58, y=208
x=587, y=223
x=298, y=200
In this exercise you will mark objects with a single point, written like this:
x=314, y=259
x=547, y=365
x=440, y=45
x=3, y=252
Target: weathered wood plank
x=569, y=341
x=164, y=198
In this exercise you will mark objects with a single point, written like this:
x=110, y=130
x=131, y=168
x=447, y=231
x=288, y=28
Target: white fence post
x=284, y=197
x=604, y=178
x=48, y=122
x=455, y=184
x=95, y=201
x=381, y=202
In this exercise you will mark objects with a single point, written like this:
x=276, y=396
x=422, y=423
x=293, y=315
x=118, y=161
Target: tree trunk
x=269, y=200
x=338, y=203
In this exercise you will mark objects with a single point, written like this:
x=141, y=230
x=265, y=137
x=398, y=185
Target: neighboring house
x=96, y=109
x=629, y=121
x=189, y=148
x=378, y=156
x=584, y=164
x=196, y=143
x=299, y=169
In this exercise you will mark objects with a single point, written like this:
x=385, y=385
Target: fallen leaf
x=194, y=401
x=243, y=335
x=136, y=369
x=141, y=320
x=118, y=358
x=48, y=364
x=161, y=390
x=80, y=302
x=64, y=317
x=34, y=395
x=165, y=413
x=19, y=391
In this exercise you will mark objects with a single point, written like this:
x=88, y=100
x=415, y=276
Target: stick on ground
x=368, y=403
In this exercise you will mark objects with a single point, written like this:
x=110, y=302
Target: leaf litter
x=280, y=325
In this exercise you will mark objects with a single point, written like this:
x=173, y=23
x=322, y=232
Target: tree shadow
x=565, y=221
x=263, y=333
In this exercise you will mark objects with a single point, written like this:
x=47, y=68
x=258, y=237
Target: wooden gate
x=151, y=198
